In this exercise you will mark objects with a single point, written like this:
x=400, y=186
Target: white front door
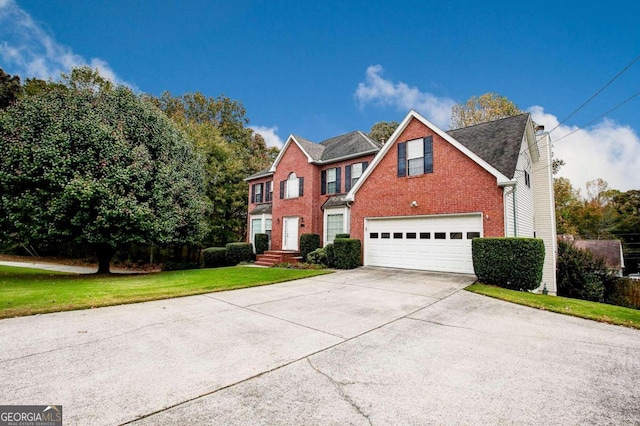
x=290, y=233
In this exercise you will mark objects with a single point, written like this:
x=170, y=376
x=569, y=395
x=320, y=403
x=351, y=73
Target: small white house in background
x=609, y=250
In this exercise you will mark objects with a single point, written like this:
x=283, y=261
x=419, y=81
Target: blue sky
x=319, y=69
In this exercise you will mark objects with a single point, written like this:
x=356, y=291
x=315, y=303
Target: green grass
x=579, y=308
x=25, y=291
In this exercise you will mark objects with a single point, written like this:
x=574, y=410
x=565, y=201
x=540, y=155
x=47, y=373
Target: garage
x=431, y=243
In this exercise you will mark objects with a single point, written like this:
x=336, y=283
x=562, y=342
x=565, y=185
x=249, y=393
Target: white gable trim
x=501, y=179
x=283, y=150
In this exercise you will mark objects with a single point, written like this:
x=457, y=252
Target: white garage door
x=430, y=243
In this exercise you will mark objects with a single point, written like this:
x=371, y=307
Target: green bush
x=329, y=251
x=308, y=243
x=239, y=252
x=179, y=266
x=514, y=263
x=213, y=257
x=581, y=275
x=262, y=243
x=317, y=257
x=347, y=253
x=342, y=236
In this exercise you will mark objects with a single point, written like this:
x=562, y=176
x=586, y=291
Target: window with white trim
x=292, y=186
x=415, y=157
x=256, y=228
x=356, y=172
x=335, y=226
x=258, y=193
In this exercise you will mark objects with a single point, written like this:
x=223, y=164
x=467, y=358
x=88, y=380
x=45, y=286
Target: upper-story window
x=330, y=181
x=292, y=187
x=415, y=157
x=256, y=193
x=268, y=192
x=352, y=173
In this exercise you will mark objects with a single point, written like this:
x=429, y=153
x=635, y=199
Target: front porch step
x=272, y=257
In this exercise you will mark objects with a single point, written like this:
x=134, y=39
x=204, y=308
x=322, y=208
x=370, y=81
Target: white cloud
x=28, y=50
x=377, y=90
x=269, y=135
x=607, y=150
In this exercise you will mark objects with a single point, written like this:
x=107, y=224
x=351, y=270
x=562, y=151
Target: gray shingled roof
x=313, y=149
x=335, y=201
x=496, y=142
x=262, y=209
x=610, y=250
x=346, y=145
x=261, y=173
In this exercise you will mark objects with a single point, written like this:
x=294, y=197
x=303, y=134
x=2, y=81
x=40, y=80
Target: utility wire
x=598, y=92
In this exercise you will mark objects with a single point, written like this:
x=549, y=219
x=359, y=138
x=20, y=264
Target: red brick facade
x=457, y=185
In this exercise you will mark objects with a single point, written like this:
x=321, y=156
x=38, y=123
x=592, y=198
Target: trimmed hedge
x=308, y=243
x=342, y=236
x=514, y=263
x=262, y=243
x=317, y=257
x=214, y=257
x=330, y=252
x=347, y=253
x=179, y=266
x=239, y=252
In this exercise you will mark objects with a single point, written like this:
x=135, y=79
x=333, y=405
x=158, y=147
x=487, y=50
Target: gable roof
x=609, y=250
x=497, y=142
x=501, y=178
x=260, y=174
x=350, y=145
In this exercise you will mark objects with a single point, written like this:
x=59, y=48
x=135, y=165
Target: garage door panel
x=418, y=246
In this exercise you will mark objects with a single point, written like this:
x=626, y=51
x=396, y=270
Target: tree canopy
x=382, y=130
x=100, y=166
x=9, y=88
x=481, y=109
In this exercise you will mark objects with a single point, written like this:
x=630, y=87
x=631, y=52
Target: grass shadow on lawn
x=601, y=312
x=26, y=291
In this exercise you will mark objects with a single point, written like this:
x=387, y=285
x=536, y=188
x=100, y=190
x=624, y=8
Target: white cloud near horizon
x=606, y=150
x=378, y=90
x=270, y=135
x=28, y=50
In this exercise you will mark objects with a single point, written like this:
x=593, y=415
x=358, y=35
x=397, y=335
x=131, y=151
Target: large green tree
x=9, y=88
x=217, y=128
x=481, y=109
x=97, y=166
x=382, y=130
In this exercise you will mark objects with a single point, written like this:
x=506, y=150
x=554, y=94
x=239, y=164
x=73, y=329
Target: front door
x=290, y=233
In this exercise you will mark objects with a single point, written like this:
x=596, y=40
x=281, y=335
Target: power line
x=598, y=92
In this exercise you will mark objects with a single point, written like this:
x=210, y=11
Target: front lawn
x=579, y=308
x=25, y=291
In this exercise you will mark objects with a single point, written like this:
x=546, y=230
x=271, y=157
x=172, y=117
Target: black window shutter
x=323, y=182
x=402, y=159
x=282, y=183
x=267, y=192
x=338, y=173
x=253, y=194
x=365, y=165
x=347, y=178
x=301, y=184
x=261, y=199
x=428, y=154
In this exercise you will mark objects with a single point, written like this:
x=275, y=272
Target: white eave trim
x=346, y=157
x=284, y=148
x=502, y=180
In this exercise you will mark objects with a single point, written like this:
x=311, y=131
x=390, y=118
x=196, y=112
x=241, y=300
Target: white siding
x=520, y=222
x=545, y=217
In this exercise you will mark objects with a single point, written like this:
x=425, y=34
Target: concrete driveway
x=369, y=346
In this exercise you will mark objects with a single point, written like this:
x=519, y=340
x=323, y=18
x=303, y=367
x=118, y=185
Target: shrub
x=347, y=253
x=262, y=243
x=239, y=252
x=514, y=263
x=214, y=257
x=308, y=243
x=317, y=257
x=581, y=275
x=179, y=266
x=329, y=251
x=341, y=236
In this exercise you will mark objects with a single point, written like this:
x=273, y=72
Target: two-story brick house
x=417, y=201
